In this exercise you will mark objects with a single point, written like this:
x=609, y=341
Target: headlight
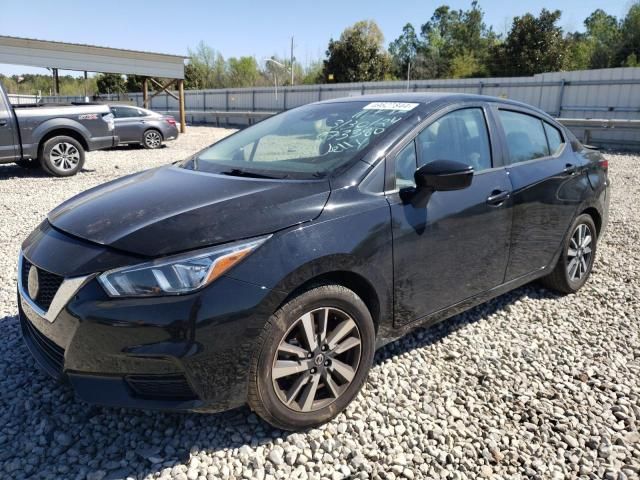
x=177, y=274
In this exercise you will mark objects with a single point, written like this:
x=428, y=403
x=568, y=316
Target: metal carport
x=92, y=58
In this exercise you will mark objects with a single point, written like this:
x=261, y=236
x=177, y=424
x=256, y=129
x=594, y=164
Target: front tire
x=62, y=156
x=576, y=260
x=152, y=139
x=313, y=357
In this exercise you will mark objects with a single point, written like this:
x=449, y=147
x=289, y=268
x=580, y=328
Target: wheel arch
x=596, y=216
x=67, y=132
x=152, y=128
x=355, y=282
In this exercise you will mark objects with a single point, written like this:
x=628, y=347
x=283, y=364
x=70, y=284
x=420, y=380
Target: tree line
x=450, y=44
x=32, y=84
x=459, y=44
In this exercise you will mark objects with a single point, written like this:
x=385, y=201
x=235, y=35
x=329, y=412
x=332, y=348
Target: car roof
x=431, y=98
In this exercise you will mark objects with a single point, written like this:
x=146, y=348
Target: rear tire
x=62, y=156
x=326, y=375
x=576, y=259
x=152, y=139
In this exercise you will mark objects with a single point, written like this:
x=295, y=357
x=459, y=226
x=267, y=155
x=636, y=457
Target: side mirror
x=443, y=176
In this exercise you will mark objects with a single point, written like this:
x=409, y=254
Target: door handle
x=570, y=169
x=3, y=122
x=498, y=197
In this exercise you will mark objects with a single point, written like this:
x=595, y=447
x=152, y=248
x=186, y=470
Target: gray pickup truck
x=53, y=137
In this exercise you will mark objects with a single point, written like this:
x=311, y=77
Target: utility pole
x=56, y=81
x=408, y=75
x=291, y=65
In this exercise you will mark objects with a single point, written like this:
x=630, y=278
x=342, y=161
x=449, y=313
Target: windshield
x=307, y=142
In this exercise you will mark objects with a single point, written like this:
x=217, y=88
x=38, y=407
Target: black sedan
x=268, y=267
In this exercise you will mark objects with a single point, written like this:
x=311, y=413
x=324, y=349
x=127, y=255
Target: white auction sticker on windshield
x=401, y=106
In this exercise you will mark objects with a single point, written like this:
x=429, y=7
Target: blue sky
x=257, y=28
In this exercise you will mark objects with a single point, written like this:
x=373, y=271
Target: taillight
x=604, y=163
x=170, y=120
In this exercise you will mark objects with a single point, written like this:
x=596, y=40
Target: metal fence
x=16, y=99
x=608, y=94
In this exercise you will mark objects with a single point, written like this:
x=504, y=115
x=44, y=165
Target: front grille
x=166, y=387
x=48, y=284
x=50, y=355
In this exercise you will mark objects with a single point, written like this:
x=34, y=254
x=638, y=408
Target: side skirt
x=448, y=312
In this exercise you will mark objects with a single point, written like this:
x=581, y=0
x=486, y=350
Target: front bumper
x=188, y=352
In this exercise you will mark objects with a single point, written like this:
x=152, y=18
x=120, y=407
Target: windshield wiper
x=236, y=172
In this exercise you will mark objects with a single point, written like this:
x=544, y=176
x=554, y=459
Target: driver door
x=456, y=246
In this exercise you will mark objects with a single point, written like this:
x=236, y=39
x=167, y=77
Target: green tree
x=452, y=43
x=110, y=83
x=358, y=55
x=205, y=68
x=404, y=51
x=466, y=65
x=33, y=84
x=134, y=83
x=629, y=48
x=9, y=84
x=313, y=73
x=438, y=42
x=579, y=52
x=533, y=45
x=242, y=72
x=603, y=33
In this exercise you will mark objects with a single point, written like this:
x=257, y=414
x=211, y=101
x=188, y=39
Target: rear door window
x=525, y=136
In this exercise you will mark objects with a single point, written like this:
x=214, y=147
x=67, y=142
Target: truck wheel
x=29, y=164
x=62, y=156
x=152, y=139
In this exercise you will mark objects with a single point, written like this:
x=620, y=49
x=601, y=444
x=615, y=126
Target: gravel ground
x=530, y=385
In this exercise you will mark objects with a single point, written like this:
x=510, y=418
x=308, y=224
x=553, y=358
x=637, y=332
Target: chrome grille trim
x=68, y=288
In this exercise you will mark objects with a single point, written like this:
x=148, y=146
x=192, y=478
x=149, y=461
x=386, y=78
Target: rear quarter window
x=526, y=139
x=554, y=137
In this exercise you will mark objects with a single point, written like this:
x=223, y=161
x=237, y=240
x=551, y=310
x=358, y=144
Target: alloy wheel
x=152, y=139
x=64, y=156
x=316, y=360
x=579, y=253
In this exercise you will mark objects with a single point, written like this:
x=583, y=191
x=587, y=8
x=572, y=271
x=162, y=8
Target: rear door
x=130, y=123
x=8, y=137
x=548, y=184
x=458, y=244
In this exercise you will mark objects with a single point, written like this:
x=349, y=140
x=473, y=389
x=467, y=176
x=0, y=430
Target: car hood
x=171, y=209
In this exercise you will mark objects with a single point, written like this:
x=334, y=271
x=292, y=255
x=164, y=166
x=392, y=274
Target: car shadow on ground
x=11, y=170
x=131, y=146
x=121, y=442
